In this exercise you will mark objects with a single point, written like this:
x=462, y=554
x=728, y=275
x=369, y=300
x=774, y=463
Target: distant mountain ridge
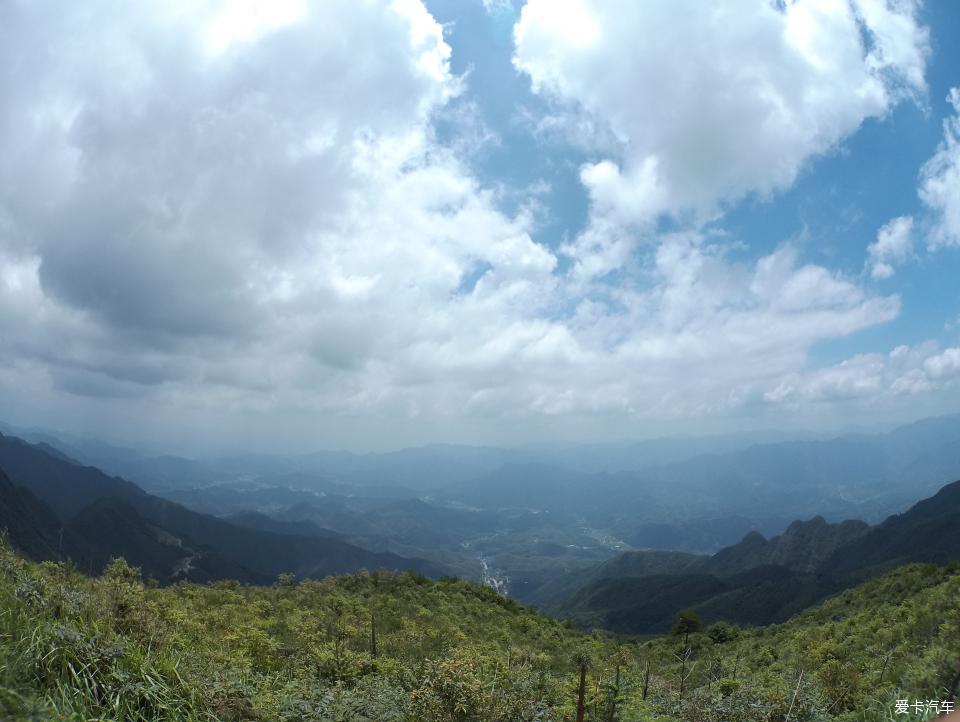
x=31, y=525
x=105, y=516
x=696, y=494
x=927, y=532
x=802, y=547
x=541, y=518
x=709, y=501
x=757, y=581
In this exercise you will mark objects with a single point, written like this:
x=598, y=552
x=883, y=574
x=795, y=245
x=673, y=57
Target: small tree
x=646, y=680
x=582, y=660
x=621, y=659
x=722, y=632
x=687, y=623
x=124, y=593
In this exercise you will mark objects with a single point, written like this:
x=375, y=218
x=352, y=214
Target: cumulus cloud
x=710, y=104
x=210, y=179
x=858, y=377
x=893, y=246
x=944, y=365
x=940, y=179
x=705, y=330
x=235, y=207
x=905, y=371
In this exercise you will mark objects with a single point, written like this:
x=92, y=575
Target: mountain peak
x=950, y=492
x=805, y=526
x=754, y=538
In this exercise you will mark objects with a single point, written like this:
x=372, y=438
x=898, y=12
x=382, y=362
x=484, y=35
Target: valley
x=479, y=361
x=570, y=536
x=546, y=546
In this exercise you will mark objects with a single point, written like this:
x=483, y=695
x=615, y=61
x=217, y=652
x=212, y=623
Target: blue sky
x=832, y=212
x=368, y=225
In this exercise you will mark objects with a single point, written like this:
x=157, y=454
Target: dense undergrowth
x=399, y=647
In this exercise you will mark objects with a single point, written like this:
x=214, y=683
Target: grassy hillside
x=77, y=648
x=894, y=637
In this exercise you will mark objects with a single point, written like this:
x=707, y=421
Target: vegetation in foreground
x=397, y=647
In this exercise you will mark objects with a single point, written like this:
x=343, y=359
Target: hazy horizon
x=236, y=447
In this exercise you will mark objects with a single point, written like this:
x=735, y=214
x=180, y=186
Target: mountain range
x=621, y=543
x=61, y=509
x=759, y=580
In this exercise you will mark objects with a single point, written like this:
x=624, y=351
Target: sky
x=362, y=224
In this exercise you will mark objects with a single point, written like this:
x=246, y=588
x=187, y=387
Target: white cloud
x=940, y=180
x=707, y=333
x=709, y=104
x=266, y=226
x=495, y=7
x=894, y=245
x=944, y=365
x=875, y=377
x=284, y=192
x=241, y=21
x=859, y=377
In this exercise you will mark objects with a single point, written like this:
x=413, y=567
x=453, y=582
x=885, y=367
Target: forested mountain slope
x=757, y=581
x=928, y=532
x=402, y=648
x=113, y=516
x=32, y=525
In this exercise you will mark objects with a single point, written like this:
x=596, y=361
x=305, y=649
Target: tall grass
x=59, y=663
